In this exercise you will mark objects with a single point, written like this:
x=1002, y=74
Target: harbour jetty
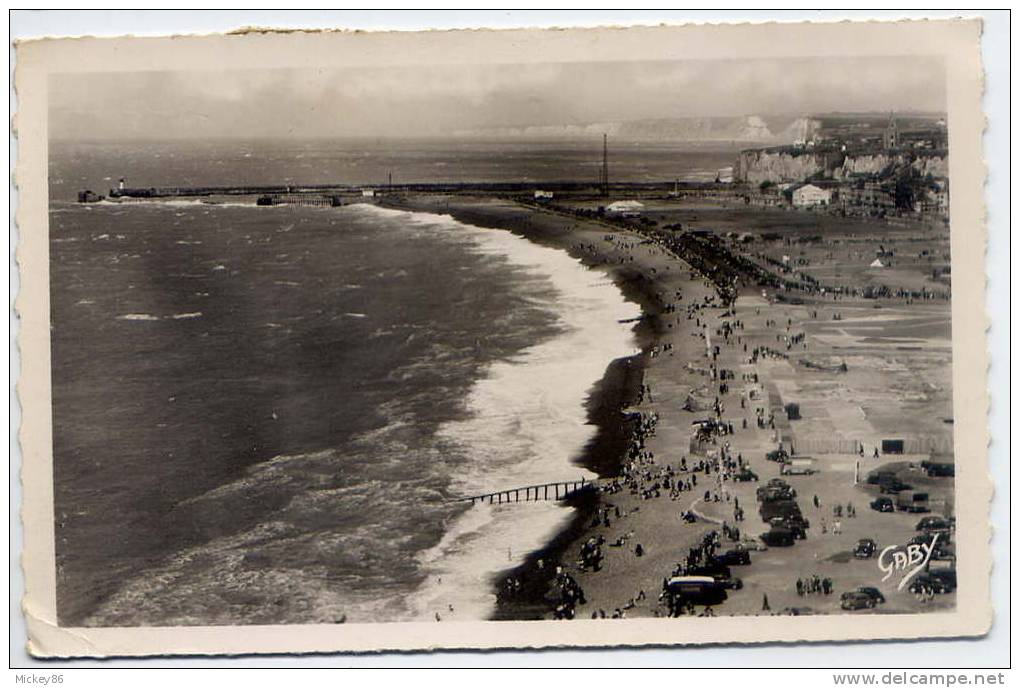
x=362, y=190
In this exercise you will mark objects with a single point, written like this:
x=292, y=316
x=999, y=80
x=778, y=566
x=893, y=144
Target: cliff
x=785, y=165
x=745, y=129
x=757, y=166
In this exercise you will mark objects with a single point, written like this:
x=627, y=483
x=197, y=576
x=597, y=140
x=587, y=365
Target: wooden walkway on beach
x=537, y=493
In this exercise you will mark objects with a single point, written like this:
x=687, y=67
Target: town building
x=809, y=196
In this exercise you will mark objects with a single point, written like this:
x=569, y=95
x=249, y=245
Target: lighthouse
x=120, y=184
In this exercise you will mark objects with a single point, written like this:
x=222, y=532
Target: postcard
x=345, y=342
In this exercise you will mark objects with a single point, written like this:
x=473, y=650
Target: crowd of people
x=814, y=585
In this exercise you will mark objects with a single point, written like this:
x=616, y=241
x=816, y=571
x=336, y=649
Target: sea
x=265, y=415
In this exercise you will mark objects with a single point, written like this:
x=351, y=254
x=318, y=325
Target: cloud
x=442, y=99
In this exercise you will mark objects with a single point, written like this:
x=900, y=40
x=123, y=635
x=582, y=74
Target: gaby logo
x=912, y=558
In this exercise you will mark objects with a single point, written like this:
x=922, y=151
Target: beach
x=768, y=353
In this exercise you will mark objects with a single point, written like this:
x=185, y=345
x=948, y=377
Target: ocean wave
x=148, y=317
x=527, y=421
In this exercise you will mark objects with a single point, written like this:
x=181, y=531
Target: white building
x=809, y=195
x=626, y=208
x=368, y=193
x=543, y=195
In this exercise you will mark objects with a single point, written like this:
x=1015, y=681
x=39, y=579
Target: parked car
x=872, y=592
x=719, y=572
x=938, y=469
x=771, y=510
x=926, y=538
x=780, y=455
x=854, y=600
x=799, y=466
x=797, y=525
x=947, y=576
x=892, y=486
x=865, y=548
x=876, y=477
x=913, y=501
x=932, y=523
x=737, y=556
x=883, y=505
x=936, y=584
x=696, y=589
x=775, y=493
x=778, y=537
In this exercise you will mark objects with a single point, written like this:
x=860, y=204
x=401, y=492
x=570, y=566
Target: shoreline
x=770, y=351
x=618, y=389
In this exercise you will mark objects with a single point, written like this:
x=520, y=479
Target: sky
x=450, y=99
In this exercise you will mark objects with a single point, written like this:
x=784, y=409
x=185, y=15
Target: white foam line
x=528, y=421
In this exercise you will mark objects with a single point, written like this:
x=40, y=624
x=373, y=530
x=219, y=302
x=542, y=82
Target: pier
x=536, y=493
x=347, y=189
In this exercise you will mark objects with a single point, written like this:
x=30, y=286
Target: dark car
x=876, y=477
x=932, y=523
x=796, y=524
x=787, y=507
x=873, y=593
x=856, y=600
x=943, y=539
x=947, y=577
x=779, y=537
x=865, y=548
x=938, y=469
x=768, y=515
x=696, y=590
x=734, y=557
x=745, y=475
x=775, y=492
x=884, y=505
x=931, y=582
x=719, y=572
x=892, y=486
x=780, y=455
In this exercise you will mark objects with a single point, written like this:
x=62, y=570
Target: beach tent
x=626, y=208
x=876, y=264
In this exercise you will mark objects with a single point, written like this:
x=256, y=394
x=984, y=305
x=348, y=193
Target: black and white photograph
x=569, y=341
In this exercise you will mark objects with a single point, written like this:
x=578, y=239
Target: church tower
x=892, y=138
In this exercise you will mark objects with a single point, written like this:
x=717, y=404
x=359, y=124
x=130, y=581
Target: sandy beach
x=752, y=359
